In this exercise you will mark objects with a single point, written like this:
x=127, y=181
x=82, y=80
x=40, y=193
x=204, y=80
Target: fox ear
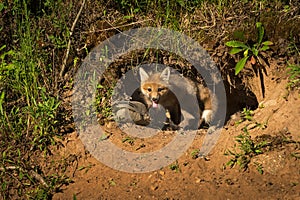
x=144, y=75
x=165, y=75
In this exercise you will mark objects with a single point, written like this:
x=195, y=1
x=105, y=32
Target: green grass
x=128, y=140
x=29, y=109
x=247, y=148
x=103, y=101
x=294, y=76
x=244, y=151
x=246, y=115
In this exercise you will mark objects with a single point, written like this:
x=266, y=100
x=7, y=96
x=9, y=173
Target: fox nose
x=154, y=99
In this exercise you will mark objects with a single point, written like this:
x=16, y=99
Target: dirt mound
x=271, y=174
x=257, y=154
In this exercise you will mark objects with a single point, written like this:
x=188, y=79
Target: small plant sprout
x=129, y=140
x=252, y=52
x=248, y=148
x=246, y=115
x=195, y=153
x=112, y=182
x=259, y=167
x=175, y=167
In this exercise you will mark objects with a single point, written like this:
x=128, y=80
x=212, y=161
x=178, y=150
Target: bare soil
x=200, y=178
x=276, y=109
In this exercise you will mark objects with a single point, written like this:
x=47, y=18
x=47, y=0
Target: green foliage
x=128, y=140
x=259, y=167
x=167, y=13
x=247, y=149
x=45, y=113
x=246, y=115
x=294, y=76
x=195, y=153
x=250, y=51
x=38, y=34
x=112, y=182
x=102, y=102
x=28, y=106
x=175, y=167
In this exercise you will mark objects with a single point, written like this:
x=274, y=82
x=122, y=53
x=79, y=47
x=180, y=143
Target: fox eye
x=160, y=89
x=149, y=89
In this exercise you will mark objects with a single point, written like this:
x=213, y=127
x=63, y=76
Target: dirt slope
x=208, y=178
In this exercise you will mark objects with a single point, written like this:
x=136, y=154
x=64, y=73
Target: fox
x=155, y=90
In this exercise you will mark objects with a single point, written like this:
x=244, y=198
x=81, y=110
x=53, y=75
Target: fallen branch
x=31, y=172
x=69, y=42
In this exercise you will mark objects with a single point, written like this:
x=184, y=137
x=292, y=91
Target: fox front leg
x=168, y=117
x=169, y=124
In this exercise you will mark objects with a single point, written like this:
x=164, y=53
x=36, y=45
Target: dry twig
x=69, y=43
x=31, y=172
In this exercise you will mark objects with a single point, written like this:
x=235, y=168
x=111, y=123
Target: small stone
x=154, y=187
x=109, y=125
x=198, y=180
x=162, y=173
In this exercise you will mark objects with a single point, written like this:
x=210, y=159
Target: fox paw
x=206, y=119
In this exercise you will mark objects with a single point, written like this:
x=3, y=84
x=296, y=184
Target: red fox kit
x=154, y=90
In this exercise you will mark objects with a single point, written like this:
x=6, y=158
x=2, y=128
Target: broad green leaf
x=234, y=43
x=267, y=43
x=235, y=50
x=264, y=48
x=261, y=32
x=240, y=65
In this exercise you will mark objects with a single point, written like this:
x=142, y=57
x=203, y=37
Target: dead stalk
x=31, y=172
x=69, y=42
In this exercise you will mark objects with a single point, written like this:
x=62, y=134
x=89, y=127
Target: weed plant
x=250, y=51
x=28, y=110
x=247, y=149
x=294, y=76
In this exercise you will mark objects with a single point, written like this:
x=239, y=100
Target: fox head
x=155, y=86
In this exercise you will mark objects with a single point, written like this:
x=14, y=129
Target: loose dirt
x=202, y=178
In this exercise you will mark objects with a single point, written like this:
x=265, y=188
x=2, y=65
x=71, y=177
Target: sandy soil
x=201, y=178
